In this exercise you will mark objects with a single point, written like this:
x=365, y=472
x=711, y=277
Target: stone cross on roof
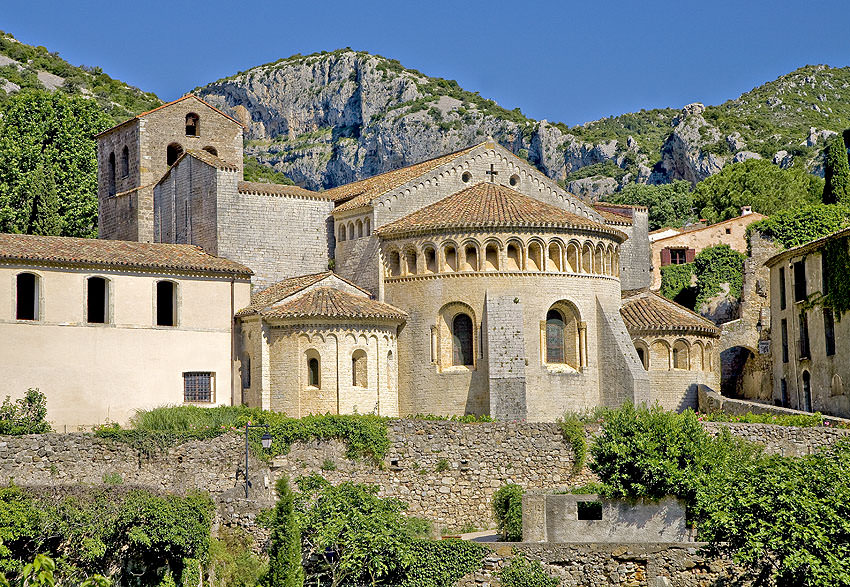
x=492, y=173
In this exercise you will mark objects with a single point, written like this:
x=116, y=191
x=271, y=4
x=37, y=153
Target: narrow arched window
x=342, y=233
x=514, y=257
x=681, y=359
x=193, y=125
x=172, y=153
x=166, y=303
x=211, y=150
x=359, y=369
x=125, y=162
x=97, y=300
x=395, y=264
x=359, y=229
x=313, y=374
x=430, y=260
x=491, y=257
x=462, y=340
x=26, y=303
x=111, y=172
x=367, y=227
x=555, y=337
x=807, y=392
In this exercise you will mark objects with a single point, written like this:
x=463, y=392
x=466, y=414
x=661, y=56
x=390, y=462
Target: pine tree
x=836, y=172
x=44, y=216
x=285, y=568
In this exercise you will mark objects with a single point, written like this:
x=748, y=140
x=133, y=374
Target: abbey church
x=470, y=283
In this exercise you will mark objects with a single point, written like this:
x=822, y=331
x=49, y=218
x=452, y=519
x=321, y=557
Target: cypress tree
x=285, y=568
x=836, y=172
x=44, y=214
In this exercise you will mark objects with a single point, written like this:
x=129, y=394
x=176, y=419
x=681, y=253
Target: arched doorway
x=743, y=373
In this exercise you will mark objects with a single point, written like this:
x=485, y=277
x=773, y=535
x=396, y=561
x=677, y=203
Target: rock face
x=331, y=118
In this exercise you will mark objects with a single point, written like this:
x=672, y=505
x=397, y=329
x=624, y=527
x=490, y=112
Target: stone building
x=103, y=328
x=683, y=246
x=467, y=283
x=677, y=347
x=810, y=344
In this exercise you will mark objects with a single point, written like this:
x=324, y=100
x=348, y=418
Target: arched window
x=410, y=266
x=430, y=259
x=450, y=257
x=193, y=125
x=395, y=264
x=697, y=359
x=587, y=258
x=359, y=369
x=27, y=294
x=166, y=303
x=659, y=356
x=367, y=227
x=97, y=300
x=359, y=229
x=554, y=337
x=535, y=257
x=342, y=232
x=555, y=253
x=837, y=386
x=211, y=150
x=681, y=359
x=609, y=261
x=491, y=257
x=573, y=258
x=807, y=391
x=708, y=362
x=642, y=357
x=597, y=260
x=470, y=258
x=462, y=340
x=111, y=172
x=314, y=378
x=172, y=153
x=514, y=257
x=125, y=162
x=390, y=371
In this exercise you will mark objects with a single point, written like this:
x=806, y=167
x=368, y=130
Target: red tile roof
x=329, y=302
x=281, y=290
x=61, y=250
x=646, y=311
x=273, y=189
x=488, y=205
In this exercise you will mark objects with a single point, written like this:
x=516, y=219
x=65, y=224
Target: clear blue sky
x=560, y=60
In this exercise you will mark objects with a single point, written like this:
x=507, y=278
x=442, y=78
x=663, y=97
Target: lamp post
x=267, y=443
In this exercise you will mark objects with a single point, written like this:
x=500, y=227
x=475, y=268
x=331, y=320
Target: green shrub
x=522, y=572
x=231, y=561
x=285, y=568
x=441, y=563
x=715, y=266
x=507, y=507
x=26, y=415
x=572, y=428
x=800, y=225
x=677, y=284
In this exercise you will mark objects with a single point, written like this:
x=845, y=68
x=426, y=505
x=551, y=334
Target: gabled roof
x=329, y=302
x=646, y=311
x=488, y=205
x=273, y=189
x=617, y=213
x=286, y=288
x=61, y=250
x=750, y=218
x=361, y=193
x=167, y=104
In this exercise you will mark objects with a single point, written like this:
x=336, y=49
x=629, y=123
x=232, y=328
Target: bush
x=803, y=224
x=442, y=563
x=507, y=507
x=25, y=416
x=285, y=568
x=522, y=572
x=800, y=420
x=231, y=561
x=572, y=428
x=715, y=266
x=677, y=284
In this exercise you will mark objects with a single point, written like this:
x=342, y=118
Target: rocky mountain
x=330, y=118
x=23, y=66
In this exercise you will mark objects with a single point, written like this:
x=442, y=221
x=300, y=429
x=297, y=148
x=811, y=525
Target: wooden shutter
x=689, y=255
x=665, y=256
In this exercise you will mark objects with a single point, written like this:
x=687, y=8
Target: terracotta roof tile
x=615, y=213
x=274, y=189
x=329, y=302
x=646, y=311
x=209, y=159
x=361, y=193
x=62, y=250
x=489, y=205
x=138, y=116
x=281, y=290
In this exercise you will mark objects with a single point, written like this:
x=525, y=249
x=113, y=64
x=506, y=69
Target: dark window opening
x=642, y=357
x=462, y=340
x=784, y=329
x=554, y=337
x=111, y=172
x=211, y=150
x=589, y=510
x=96, y=300
x=783, y=387
x=313, y=372
x=193, y=125
x=27, y=297
x=678, y=256
x=198, y=386
x=728, y=231
x=807, y=392
x=172, y=153
x=166, y=303
x=804, y=336
x=246, y=372
x=782, y=292
x=799, y=281
x=125, y=162
x=829, y=331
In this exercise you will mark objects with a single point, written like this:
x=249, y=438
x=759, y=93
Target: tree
x=47, y=138
x=758, y=183
x=798, y=226
x=836, y=189
x=285, y=568
x=669, y=204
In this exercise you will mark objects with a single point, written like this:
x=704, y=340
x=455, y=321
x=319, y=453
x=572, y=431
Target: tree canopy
x=836, y=171
x=669, y=204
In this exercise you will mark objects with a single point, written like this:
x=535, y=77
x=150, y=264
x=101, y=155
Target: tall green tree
x=836, y=169
x=47, y=138
x=285, y=568
x=669, y=204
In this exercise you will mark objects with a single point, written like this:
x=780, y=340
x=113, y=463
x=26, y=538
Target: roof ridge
x=161, y=106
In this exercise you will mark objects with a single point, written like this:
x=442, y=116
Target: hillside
x=333, y=117
x=26, y=67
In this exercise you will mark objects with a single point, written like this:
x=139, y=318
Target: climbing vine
x=677, y=283
x=715, y=266
x=797, y=226
x=836, y=256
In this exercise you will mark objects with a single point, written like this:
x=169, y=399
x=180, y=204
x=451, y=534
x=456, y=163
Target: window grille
x=198, y=386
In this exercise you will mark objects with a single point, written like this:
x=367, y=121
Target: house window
x=728, y=231
x=680, y=355
x=172, y=153
x=554, y=337
x=26, y=305
x=829, y=331
x=807, y=391
x=784, y=329
x=589, y=510
x=193, y=125
x=125, y=162
x=246, y=372
x=111, y=171
x=359, y=369
x=678, y=256
x=462, y=340
x=166, y=303
x=804, y=336
x=783, y=390
x=799, y=281
x=782, y=292
x=97, y=300
x=313, y=372
x=198, y=386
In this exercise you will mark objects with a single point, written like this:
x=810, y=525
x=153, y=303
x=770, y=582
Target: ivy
x=572, y=428
x=836, y=256
x=798, y=226
x=507, y=507
x=677, y=283
x=442, y=563
x=715, y=266
x=522, y=572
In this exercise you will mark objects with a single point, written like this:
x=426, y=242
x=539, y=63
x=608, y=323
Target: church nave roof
x=646, y=311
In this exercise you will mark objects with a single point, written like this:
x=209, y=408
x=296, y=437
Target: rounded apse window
x=514, y=180
x=466, y=177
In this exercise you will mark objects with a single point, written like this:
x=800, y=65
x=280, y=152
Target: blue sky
x=563, y=61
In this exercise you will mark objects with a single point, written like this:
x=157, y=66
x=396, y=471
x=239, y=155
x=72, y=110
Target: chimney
x=746, y=210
